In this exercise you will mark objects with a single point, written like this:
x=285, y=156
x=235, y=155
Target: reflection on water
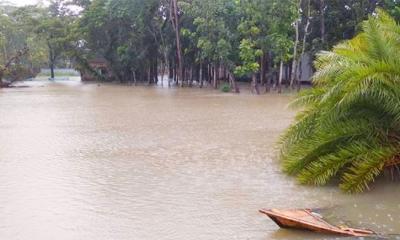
x=115, y=162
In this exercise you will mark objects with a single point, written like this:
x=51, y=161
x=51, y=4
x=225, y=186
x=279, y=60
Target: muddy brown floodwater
x=115, y=162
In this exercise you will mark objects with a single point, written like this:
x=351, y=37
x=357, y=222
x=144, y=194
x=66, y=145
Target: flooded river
x=115, y=162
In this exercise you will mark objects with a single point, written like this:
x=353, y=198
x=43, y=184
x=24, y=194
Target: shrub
x=225, y=88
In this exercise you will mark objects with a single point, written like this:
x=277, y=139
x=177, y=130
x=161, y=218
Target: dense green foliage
x=199, y=42
x=125, y=33
x=16, y=35
x=41, y=33
x=349, y=125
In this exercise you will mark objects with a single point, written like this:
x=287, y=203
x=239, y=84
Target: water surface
x=115, y=162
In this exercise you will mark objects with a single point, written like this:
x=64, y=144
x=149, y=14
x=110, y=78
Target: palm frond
x=366, y=169
x=350, y=120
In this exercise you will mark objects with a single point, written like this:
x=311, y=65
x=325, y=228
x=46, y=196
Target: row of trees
x=203, y=41
x=208, y=40
x=192, y=41
x=32, y=37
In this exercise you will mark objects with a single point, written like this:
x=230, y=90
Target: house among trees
x=98, y=69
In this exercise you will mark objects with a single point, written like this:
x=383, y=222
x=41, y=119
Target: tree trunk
x=170, y=73
x=209, y=74
x=162, y=73
x=201, y=75
x=155, y=69
x=185, y=76
x=322, y=20
x=51, y=64
x=1, y=78
x=52, y=75
x=149, y=76
x=175, y=21
x=293, y=78
x=191, y=76
x=254, y=85
x=5, y=53
x=287, y=75
x=175, y=76
x=268, y=67
x=263, y=70
x=51, y=60
x=134, y=77
x=232, y=80
x=170, y=70
x=303, y=50
x=280, y=77
x=215, y=76
x=269, y=83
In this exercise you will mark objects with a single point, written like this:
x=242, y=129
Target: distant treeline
x=194, y=42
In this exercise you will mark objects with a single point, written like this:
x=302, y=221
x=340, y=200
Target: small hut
x=99, y=68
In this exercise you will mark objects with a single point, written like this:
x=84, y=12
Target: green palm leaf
x=349, y=126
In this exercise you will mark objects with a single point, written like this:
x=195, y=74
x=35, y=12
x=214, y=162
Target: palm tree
x=349, y=126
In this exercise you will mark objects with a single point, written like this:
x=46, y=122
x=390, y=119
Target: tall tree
x=16, y=37
x=306, y=32
x=53, y=28
x=175, y=23
x=214, y=35
x=322, y=9
x=125, y=35
x=296, y=24
x=254, y=28
x=282, y=15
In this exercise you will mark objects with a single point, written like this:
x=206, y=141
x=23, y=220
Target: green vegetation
x=350, y=123
x=17, y=40
x=59, y=73
x=225, y=88
x=40, y=33
x=194, y=42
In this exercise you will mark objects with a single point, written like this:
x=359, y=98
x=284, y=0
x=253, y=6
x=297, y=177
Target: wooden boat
x=305, y=219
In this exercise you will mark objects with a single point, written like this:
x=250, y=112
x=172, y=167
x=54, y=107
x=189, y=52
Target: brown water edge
x=115, y=162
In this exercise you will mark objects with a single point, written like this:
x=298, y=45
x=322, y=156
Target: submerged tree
x=16, y=37
x=124, y=33
x=53, y=28
x=350, y=123
x=12, y=61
